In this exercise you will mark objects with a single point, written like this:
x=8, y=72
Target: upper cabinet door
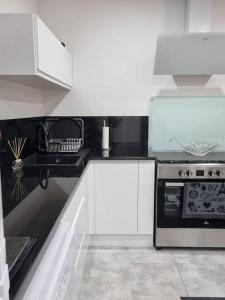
x=116, y=187
x=53, y=59
x=28, y=47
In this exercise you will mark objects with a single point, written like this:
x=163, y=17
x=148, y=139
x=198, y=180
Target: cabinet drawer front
x=79, y=225
x=52, y=58
x=116, y=185
x=60, y=275
x=71, y=211
x=71, y=259
x=49, y=266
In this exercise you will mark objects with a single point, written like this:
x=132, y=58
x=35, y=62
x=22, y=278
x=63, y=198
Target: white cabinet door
x=116, y=186
x=28, y=47
x=76, y=197
x=52, y=58
x=146, y=197
x=77, y=265
x=76, y=216
x=90, y=199
x=43, y=282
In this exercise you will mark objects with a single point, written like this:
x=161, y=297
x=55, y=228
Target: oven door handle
x=174, y=184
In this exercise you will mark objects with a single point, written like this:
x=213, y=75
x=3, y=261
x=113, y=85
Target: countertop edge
x=123, y=158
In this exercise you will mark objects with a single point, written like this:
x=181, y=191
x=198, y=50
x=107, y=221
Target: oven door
x=169, y=206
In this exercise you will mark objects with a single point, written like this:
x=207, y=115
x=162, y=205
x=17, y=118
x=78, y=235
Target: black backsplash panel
x=126, y=131
x=9, y=129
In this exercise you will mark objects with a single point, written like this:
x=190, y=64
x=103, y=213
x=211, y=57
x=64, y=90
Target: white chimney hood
x=196, y=52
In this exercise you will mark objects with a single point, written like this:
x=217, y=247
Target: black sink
x=55, y=159
x=60, y=159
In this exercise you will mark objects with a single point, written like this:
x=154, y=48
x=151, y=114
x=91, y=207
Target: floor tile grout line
x=129, y=260
x=130, y=276
x=181, y=279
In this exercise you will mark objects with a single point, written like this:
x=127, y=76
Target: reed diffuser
x=16, y=146
x=19, y=191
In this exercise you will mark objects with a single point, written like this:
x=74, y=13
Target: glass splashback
x=188, y=119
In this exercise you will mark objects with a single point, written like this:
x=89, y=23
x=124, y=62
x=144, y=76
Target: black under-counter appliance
x=190, y=201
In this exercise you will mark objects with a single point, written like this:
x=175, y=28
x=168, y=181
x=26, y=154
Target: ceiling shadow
x=214, y=91
x=193, y=80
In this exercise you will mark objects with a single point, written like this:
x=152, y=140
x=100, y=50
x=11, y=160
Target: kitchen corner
x=112, y=150
x=46, y=199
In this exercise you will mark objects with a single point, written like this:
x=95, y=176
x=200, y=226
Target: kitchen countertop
x=123, y=153
x=136, y=153
x=44, y=196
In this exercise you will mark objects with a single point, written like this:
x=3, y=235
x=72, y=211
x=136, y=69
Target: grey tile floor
x=148, y=274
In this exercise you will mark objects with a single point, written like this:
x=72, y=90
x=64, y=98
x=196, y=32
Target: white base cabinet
x=30, y=53
x=123, y=201
x=116, y=187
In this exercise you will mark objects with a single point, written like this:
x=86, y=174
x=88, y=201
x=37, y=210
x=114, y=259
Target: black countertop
x=136, y=153
x=32, y=201
x=123, y=153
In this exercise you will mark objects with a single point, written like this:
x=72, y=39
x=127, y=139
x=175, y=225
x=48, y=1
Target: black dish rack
x=62, y=135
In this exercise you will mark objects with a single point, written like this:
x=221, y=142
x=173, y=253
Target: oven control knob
x=212, y=173
x=189, y=173
x=219, y=173
x=182, y=173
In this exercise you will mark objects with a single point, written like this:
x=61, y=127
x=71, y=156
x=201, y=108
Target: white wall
x=218, y=20
x=18, y=6
x=113, y=43
x=17, y=101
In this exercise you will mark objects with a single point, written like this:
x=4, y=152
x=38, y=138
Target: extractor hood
x=196, y=52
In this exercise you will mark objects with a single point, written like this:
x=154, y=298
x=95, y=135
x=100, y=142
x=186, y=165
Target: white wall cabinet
x=146, y=186
x=116, y=187
x=30, y=53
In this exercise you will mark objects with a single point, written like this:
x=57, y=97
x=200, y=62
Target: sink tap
x=43, y=141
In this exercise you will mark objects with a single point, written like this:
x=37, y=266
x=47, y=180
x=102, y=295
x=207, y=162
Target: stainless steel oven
x=172, y=227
